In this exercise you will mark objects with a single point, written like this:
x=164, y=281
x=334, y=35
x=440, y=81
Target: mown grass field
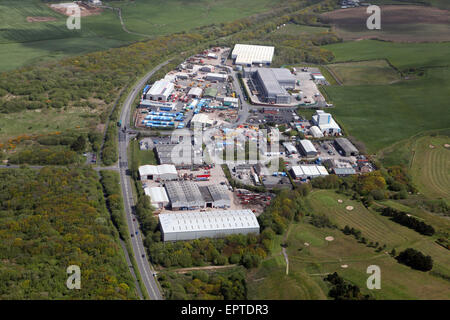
x=365, y=72
x=169, y=16
x=308, y=265
x=430, y=166
x=381, y=115
x=401, y=55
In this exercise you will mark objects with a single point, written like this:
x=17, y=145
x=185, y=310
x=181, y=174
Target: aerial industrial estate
x=224, y=150
x=204, y=92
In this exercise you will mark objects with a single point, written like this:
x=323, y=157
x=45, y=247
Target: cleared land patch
x=365, y=72
x=402, y=23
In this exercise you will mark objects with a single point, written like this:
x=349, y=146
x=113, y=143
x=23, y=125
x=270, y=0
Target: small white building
x=195, y=92
x=201, y=119
x=165, y=172
x=216, y=77
x=308, y=171
x=308, y=148
x=160, y=90
x=158, y=197
x=315, y=132
x=325, y=122
x=212, y=55
x=290, y=148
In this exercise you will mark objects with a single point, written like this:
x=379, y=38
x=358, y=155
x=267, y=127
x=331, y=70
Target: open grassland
x=400, y=23
x=160, y=17
x=401, y=55
x=380, y=115
x=25, y=43
x=431, y=166
x=365, y=72
x=311, y=257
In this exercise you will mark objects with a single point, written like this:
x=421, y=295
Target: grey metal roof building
x=184, y=195
x=344, y=171
x=212, y=224
x=346, y=147
x=220, y=196
x=274, y=82
x=178, y=154
x=308, y=148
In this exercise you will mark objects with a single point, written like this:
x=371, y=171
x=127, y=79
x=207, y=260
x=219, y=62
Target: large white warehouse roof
x=161, y=87
x=248, y=54
x=207, y=221
x=152, y=170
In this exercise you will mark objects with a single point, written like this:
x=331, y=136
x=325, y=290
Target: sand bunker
x=40, y=19
x=447, y=145
x=340, y=201
x=306, y=244
x=431, y=146
x=344, y=266
x=329, y=238
x=349, y=208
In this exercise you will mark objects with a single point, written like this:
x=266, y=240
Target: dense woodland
x=51, y=219
x=201, y=285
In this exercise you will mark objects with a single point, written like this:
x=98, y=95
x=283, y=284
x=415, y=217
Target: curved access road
x=144, y=267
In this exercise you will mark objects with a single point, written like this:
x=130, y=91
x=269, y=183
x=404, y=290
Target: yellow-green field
x=365, y=72
x=430, y=166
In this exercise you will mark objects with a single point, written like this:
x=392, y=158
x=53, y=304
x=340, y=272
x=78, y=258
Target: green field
x=366, y=72
x=430, y=166
x=24, y=43
x=308, y=265
x=381, y=115
x=401, y=55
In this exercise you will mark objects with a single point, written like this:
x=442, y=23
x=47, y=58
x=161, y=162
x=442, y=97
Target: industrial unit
x=160, y=90
x=158, y=196
x=308, y=171
x=273, y=83
x=162, y=172
x=188, y=195
x=216, y=77
x=315, y=132
x=325, y=122
x=307, y=148
x=212, y=224
x=195, y=92
x=184, y=195
x=201, y=120
x=290, y=148
x=247, y=55
x=182, y=154
x=345, y=147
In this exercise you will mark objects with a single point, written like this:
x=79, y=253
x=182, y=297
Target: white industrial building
x=290, y=148
x=201, y=120
x=195, y=92
x=308, y=171
x=158, y=196
x=160, y=90
x=315, y=132
x=163, y=172
x=325, y=122
x=307, y=148
x=212, y=224
x=216, y=77
x=247, y=55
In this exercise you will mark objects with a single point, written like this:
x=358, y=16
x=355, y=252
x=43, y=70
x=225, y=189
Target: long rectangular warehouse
x=245, y=54
x=212, y=224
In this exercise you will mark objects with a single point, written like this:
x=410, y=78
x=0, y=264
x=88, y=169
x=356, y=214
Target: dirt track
x=41, y=19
